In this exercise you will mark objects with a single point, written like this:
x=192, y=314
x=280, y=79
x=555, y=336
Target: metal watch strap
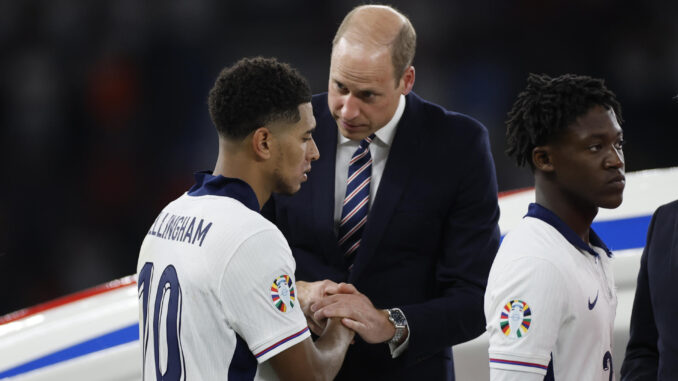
x=397, y=317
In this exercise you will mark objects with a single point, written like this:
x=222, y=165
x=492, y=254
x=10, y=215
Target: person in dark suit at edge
x=653, y=346
x=402, y=205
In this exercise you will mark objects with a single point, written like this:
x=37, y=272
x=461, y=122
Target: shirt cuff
x=533, y=364
x=398, y=350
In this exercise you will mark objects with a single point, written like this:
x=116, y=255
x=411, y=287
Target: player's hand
x=335, y=327
x=308, y=294
x=357, y=311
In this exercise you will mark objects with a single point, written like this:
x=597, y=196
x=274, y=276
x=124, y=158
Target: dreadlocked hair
x=548, y=106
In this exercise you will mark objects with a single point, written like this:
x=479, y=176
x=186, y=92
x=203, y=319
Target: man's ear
x=541, y=159
x=408, y=80
x=262, y=141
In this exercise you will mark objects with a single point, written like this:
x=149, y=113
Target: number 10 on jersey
x=166, y=310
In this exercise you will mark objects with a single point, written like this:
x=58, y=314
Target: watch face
x=397, y=317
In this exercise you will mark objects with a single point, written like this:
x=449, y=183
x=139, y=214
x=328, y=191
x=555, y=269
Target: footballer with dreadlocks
x=550, y=301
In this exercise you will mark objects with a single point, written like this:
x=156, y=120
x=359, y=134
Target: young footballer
x=550, y=301
x=217, y=293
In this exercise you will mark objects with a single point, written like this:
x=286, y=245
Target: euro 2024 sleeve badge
x=283, y=293
x=515, y=319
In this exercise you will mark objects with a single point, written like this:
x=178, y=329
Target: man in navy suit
x=653, y=347
x=402, y=204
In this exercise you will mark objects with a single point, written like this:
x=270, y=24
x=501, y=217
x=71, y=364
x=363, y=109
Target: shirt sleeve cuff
x=398, y=350
x=531, y=364
x=263, y=353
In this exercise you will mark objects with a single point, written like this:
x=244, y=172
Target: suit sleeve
x=469, y=245
x=310, y=266
x=642, y=357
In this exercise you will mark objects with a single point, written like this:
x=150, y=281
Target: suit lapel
x=403, y=158
x=322, y=186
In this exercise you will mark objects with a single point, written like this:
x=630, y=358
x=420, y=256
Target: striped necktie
x=357, y=200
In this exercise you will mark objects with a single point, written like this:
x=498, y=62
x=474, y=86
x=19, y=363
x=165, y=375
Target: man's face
x=362, y=94
x=589, y=161
x=296, y=150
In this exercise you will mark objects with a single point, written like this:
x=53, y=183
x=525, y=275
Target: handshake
x=326, y=299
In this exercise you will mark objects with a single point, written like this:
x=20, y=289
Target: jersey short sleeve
x=525, y=305
x=258, y=293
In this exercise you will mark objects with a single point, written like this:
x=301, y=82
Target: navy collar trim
x=208, y=184
x=537, y=211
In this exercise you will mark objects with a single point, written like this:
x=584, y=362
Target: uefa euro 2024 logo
x=283, y=293
x=515, y=319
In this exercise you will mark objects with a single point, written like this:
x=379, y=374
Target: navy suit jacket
x=652, y=351
x=428, y=244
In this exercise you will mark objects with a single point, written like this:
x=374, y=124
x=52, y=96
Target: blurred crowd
x=103, y=103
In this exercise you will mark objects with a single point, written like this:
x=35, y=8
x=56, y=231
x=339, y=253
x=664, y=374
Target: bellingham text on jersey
x=180, y=228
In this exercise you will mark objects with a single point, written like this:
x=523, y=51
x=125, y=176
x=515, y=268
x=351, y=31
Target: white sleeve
x=258, y=293
x=526, y=303
x=514, y=375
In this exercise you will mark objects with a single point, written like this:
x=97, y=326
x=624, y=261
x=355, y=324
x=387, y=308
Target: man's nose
x=314, y=152
x=615, y=159
x=351, y=108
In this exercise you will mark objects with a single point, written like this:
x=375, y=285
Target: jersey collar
x=208, y=184
x=537, y=211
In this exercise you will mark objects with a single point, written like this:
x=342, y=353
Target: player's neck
x=574, y=214
x=240, y=166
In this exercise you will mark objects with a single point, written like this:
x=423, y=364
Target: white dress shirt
x=379, y=149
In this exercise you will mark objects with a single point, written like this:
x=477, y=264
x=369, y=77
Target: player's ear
x=541, y=158
x=262, y=141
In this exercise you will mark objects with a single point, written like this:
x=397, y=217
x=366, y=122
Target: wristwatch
x=397, y=317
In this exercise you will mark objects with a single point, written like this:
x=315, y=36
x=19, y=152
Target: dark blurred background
x=103, y=103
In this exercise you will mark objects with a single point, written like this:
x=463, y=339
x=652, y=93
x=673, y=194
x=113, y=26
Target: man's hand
x=309, y=293
x=357, y=312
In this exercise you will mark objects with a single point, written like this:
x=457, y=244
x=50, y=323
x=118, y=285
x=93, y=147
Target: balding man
x=402, y=204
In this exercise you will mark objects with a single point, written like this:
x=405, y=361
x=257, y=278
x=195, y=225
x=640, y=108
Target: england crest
x=515, y=319
x=282, y=293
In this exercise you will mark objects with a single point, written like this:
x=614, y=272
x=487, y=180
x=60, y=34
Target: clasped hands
x=326, y=299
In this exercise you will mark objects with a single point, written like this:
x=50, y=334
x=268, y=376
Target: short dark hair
x=254, y=92
x=548, y=106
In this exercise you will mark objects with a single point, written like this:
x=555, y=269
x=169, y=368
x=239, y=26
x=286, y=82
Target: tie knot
x=366, y=142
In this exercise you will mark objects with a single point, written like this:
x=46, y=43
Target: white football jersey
x=216, y=287
x=550, y=303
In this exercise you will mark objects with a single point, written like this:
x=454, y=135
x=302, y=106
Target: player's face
x=589, y=161
x=296, y=150
x=363, y=95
